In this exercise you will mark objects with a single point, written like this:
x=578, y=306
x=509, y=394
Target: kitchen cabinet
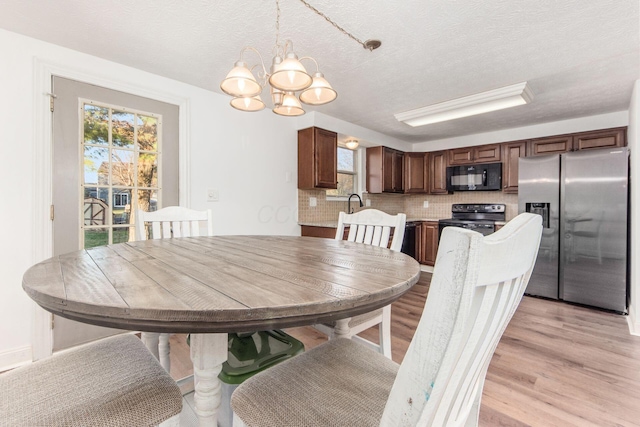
x=317, y=159
x=438, y=172
x=320, y=231
x=607, y=138
x=427, y=242
x=550, y=145
x=385, y=170
x=511, y=153
x=481, y=154
x=416, y=172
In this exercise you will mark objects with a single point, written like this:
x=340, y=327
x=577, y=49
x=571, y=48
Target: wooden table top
x=220, y=284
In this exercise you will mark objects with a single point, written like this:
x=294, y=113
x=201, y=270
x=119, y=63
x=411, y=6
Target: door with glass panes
x=113, y=153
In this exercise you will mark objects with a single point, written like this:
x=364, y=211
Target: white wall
x=603, y=121
x=242, y=155
x=633, y=135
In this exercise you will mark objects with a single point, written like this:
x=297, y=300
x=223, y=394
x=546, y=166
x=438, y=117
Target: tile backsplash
x=327, y=211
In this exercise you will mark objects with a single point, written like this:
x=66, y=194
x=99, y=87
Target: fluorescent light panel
x=493, y=100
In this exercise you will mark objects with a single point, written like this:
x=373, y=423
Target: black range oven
x=480, y=217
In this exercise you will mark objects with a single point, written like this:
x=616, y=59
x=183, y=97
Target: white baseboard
x=634, y=324
x=15, y=357
x=426, y=268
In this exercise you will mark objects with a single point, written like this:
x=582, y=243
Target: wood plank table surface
x=209, y=286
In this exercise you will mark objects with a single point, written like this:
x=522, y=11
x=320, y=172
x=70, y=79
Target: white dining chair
x=107, y=383
x=371, y=227
x=169, y=222
x=478, y=282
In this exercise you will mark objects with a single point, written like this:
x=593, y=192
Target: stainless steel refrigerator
x=583, y=199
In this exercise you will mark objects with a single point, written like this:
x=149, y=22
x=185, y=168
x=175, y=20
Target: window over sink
x=347, y=174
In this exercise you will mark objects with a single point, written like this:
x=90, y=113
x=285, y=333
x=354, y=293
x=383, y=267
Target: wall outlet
x=287, y=177
x=313, y=202
x=425, y=204
x=212, y=195
x=367, y=202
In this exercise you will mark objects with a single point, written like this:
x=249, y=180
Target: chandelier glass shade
x=253, y=103
x=320, y=92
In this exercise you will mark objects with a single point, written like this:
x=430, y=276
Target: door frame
x=42, y=227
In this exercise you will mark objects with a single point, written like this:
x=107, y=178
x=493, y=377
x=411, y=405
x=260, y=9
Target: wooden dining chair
x=478, y=282
x=371, y=227
x=172, y=221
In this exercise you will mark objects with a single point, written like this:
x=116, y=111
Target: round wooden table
x=209, y=286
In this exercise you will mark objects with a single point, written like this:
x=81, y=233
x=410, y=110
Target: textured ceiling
x=580, y=57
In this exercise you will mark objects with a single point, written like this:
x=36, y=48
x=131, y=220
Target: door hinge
x=52, y=320
x=51, y=98
x=51, y=212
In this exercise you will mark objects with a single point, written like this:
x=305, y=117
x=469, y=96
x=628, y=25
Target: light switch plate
x=313, y=202
x=367, y=202
x=212, y=195
x=425, y=204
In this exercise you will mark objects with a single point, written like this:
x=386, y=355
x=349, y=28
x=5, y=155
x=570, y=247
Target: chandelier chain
x=277, y=23
x=342, y=30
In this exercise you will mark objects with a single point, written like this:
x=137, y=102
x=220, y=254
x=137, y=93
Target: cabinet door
x=460, y=156
x=429, y=242
x=416, y=176
x=486, y=153
x=326, y=158
x=511, y=152
x=608, y=138
x=420, y=243
x=552, y=145
x=388, y=175
x=317, y=159
x=398, y=171
x=438, y=172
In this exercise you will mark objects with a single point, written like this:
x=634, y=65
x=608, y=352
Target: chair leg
x=151, y=340
x=385, y=332
x=164, y=350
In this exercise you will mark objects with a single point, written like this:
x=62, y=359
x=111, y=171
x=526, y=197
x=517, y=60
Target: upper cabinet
x=385, y=170
x=317, y=159
x=416, y=172
x=550, y=145
x=438, y=172
x=511, y=153
x=480, y=154
x=606, y=138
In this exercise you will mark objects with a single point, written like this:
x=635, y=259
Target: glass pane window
x=346, y=160
x=121, y=154
x=347, y=174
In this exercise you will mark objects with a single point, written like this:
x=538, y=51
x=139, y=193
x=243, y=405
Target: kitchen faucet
x=349, y=210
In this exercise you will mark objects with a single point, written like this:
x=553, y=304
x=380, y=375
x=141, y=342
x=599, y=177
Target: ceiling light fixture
x=351, y=144
x=286, y=76
x=493, y=100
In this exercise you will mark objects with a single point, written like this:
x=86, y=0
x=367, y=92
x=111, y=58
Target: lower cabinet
x=427, y=242
x=325, y=232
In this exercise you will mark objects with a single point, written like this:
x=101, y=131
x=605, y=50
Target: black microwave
x=482, y=177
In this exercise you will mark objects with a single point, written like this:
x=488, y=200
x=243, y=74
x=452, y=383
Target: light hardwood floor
x=556, y=365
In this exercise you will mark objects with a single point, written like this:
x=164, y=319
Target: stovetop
x=489, y=212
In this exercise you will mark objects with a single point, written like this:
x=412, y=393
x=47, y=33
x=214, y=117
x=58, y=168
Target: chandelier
x=289, y=82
